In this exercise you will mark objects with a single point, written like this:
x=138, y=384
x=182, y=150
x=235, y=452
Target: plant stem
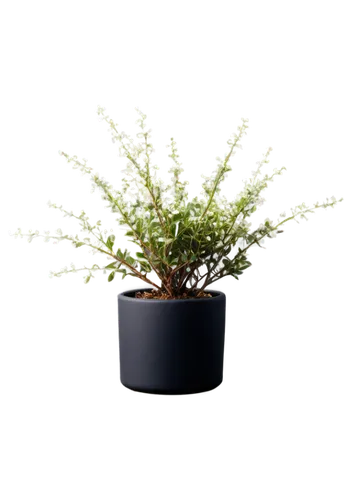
x=147, y=185
x=138, y=273
x=223, y=170
x=141, y=243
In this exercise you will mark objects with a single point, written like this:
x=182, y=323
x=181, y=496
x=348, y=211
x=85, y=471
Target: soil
x=162, y=295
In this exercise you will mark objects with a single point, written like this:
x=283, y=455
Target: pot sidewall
x=171, y=346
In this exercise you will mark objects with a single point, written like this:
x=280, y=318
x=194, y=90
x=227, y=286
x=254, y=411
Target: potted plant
x=171, y=332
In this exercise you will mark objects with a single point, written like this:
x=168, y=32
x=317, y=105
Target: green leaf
x=78, y=244
x=111, y=276
x=226, y=262
x=109, y=244
x=161, y=251
x=154, y=225
x=143, y=260
x=88, y=278
x=236, y=276
x=113, y=265
x=120, y=254
x=173, y=260
x=177, y=217
x=139, y=225
x=245, y=265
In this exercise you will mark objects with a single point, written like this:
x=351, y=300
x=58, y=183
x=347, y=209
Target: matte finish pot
x=171, y=346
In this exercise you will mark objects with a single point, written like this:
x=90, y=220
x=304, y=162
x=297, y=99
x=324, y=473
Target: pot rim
x=123, y=296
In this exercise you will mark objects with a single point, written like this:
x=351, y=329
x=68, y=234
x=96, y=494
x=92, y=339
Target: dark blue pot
x=171, y=346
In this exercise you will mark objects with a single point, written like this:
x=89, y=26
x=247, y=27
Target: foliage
x=183, y=241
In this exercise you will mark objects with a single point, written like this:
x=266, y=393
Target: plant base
x=162, y=295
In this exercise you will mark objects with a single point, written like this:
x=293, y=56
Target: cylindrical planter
x=171, y=346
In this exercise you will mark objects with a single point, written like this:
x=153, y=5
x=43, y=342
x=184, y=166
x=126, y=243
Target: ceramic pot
x=171, y=346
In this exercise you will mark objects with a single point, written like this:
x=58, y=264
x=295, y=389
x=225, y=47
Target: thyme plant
x=183, y=242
